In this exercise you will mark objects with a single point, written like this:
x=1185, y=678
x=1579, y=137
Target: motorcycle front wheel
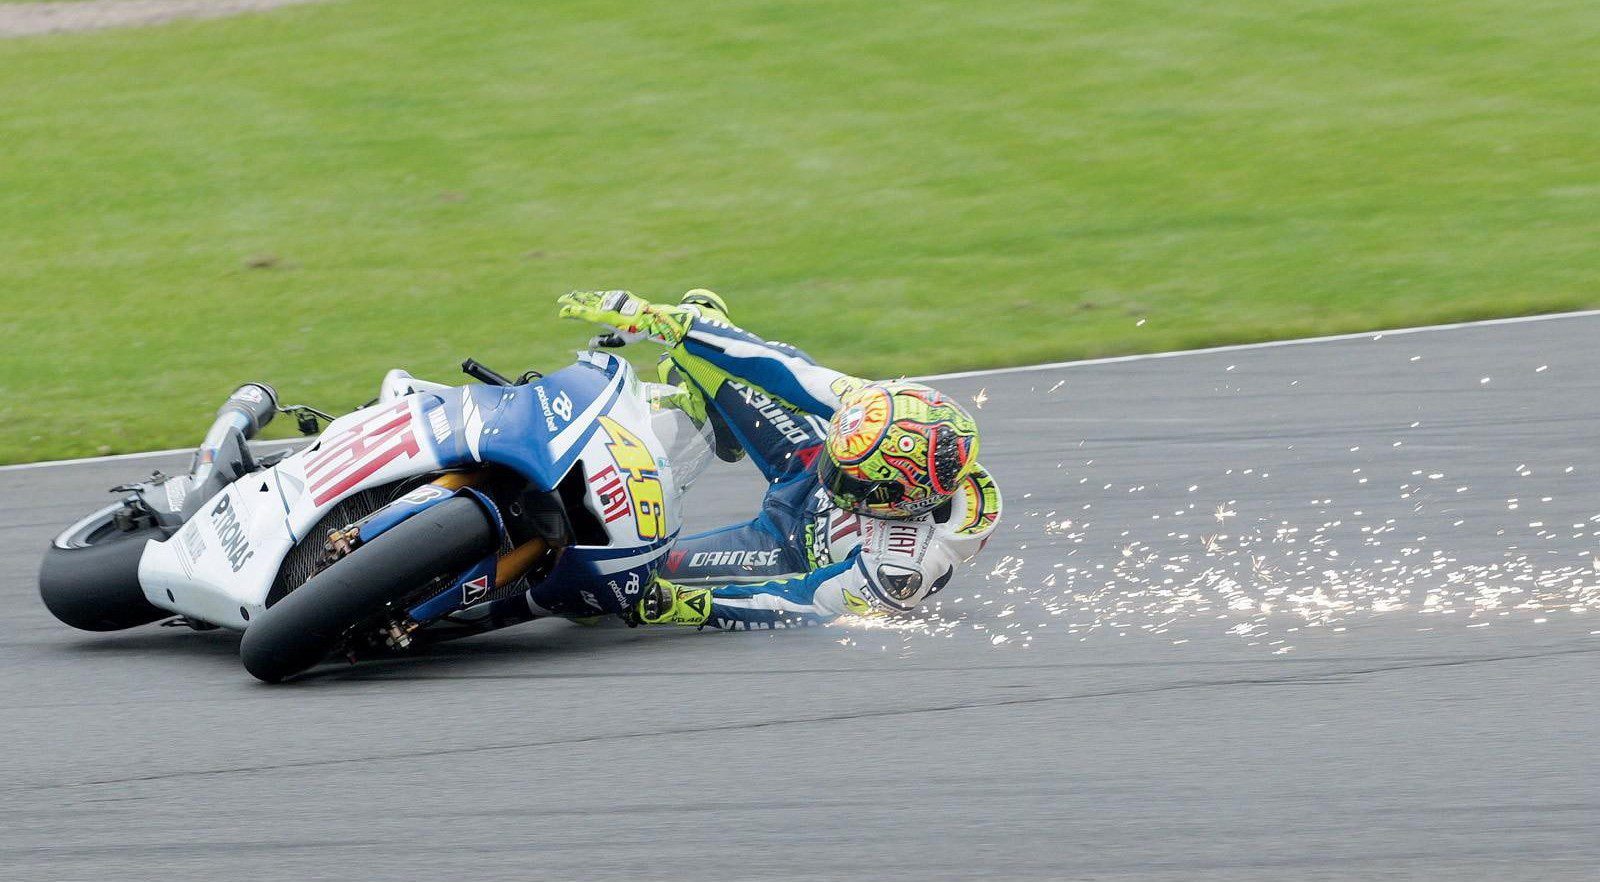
x=316, y=619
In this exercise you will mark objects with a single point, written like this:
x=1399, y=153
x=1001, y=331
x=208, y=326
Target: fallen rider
x=875, y=493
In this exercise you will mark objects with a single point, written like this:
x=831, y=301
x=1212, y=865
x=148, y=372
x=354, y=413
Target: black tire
x=302, y=629
x=95, y=587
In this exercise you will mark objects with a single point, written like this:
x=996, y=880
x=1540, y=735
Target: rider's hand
x=667, y=603
x=633, y=316
x=619, y=309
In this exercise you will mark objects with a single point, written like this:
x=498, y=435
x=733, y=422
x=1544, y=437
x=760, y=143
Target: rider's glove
x=665, y=603
x=633, y=317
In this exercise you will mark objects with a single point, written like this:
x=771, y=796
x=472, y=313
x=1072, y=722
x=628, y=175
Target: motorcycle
x=414, y=515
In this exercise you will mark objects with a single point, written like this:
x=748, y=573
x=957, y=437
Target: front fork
x=515, y=563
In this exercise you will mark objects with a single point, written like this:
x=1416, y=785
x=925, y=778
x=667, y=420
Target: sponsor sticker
x=425, y=493
x=359, y=452
x=850, y=421
x=230, y=534
x=563, y=407
x=439, y=424
x=779, y=416
x=177, y=491
x=737, y=558
x=474, y=590
x=560, y=406
x=193, y=544
x=623, y=593
x=903, y=539
x=642, y=492
x=608, y=486
x=830, y=529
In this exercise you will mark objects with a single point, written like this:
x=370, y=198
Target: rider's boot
x=693, y=402
x=710, y=304
x=664, y=603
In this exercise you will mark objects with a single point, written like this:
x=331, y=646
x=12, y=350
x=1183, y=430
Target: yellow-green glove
x=634, y=317
x=665, y=603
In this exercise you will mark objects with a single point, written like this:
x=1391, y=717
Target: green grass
x=898, y=187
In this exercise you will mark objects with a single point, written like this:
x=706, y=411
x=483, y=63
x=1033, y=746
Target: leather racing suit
x=802, y=560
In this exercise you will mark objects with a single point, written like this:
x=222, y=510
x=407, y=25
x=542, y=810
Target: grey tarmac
x=1321, y=611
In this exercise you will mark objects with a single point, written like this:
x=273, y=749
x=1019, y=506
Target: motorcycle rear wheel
x=90, y=577
x=305, y=627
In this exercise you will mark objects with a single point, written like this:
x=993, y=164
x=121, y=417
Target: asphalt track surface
x=1201, y=648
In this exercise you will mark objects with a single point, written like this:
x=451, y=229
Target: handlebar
x=472, y=368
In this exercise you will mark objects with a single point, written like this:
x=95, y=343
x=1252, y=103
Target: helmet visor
x=881, y=498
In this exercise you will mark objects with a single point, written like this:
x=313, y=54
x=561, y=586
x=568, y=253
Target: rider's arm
x=792, y=602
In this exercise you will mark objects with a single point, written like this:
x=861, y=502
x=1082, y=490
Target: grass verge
x=317, y=194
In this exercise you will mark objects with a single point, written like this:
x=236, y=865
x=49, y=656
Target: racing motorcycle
x=413, y=515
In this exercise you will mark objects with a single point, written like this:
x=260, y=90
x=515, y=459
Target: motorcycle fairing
x=220, y=565
x=628, y=487
x=589, y=578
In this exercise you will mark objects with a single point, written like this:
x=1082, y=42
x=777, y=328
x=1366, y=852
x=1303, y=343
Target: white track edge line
x=1265, y=344
x=987, y=372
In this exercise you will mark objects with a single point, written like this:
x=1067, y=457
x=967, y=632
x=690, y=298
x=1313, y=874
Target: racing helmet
x=896, y=450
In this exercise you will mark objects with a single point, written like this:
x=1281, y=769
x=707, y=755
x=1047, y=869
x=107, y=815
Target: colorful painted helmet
x=896, y=450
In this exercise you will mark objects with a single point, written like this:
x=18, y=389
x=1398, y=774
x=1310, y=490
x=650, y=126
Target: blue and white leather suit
x=802, y=560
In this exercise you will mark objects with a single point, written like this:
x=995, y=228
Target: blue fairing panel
x=538, y=430
x=589, y=579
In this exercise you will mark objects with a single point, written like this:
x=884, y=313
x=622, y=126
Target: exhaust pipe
x=249, y=408
x=246, y=412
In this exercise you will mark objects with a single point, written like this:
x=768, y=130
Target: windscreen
x=688, y=445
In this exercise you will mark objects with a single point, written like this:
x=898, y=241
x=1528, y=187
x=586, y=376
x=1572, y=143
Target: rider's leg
x=781, y=441
x=755, y=550
x=770, y=545
x=779, y=603
x=693, y=402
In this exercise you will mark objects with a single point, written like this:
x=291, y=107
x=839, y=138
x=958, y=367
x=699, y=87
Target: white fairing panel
x=220, y=565
x=632, y=487
x=398, y=384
